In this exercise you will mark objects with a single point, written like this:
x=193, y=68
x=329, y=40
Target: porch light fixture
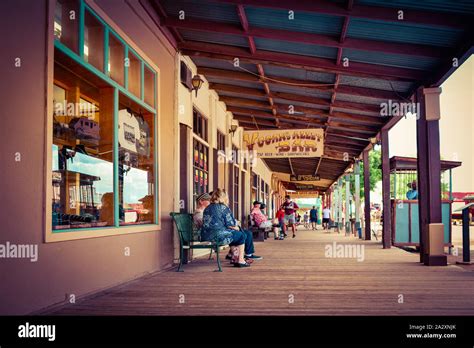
x=196, y=82
x=233, y=128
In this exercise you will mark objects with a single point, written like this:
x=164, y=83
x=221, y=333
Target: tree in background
x=375, y=162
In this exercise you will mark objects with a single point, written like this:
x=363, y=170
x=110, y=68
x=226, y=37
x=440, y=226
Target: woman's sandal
x=246, y=264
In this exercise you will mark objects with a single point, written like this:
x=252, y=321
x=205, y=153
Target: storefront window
x=93, y=41
x=116, y=65
x=200, y=125
x=235, y=191
x=66, y=23
x=82, y=153
x=200, y=169
x=103, y=147
x=136, y=164
x=149, y=80
x=134, y=73
x=254, y=186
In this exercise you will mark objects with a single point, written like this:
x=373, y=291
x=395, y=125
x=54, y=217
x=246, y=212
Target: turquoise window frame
x=105, y=75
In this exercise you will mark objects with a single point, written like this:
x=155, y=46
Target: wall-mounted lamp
x=197, y=82
x=233, y=128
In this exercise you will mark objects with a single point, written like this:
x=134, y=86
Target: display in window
x=143, y=143
x=128, y=130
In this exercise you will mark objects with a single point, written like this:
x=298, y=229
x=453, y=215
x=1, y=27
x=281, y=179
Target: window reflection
x=82, y=177
x=136, y=164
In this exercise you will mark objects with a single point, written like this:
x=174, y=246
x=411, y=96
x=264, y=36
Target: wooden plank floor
x=296, y=268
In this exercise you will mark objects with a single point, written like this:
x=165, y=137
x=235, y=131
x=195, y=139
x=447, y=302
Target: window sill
x=75, y=234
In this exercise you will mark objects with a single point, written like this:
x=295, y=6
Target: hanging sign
x=285, y=143
x=305, y=178
x=300, y=187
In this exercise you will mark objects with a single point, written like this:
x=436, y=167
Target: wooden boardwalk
x=295, y=269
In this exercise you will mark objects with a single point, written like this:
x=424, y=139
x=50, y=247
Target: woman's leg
x=238, y=239
x=241, y=253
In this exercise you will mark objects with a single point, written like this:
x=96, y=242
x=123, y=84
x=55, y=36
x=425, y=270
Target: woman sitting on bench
x=218, y=221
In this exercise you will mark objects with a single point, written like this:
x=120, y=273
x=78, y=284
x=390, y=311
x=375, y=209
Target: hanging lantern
x=196, y=83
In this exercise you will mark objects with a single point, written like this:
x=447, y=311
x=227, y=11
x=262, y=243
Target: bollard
x=466, y=252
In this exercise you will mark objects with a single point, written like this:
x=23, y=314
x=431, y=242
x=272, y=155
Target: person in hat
x=260, y=219
x=412, y=193
x=202, y=201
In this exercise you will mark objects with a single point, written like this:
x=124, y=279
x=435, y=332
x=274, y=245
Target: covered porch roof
x=319, y=64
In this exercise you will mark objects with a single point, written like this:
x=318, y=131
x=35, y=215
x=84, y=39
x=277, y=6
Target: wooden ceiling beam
x=229, y=53
x=305, y=38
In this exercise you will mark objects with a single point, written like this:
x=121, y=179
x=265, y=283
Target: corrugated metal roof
x=239, y=83
x=295, y=48
x=212, y=11
x=457, y=6
x=237, y=95
x=303, y=21
x=403, y=32
x=395, y=60
x=295, y=103
x=354, y=111
x=359, y=99
x=301, y=91
x=216, y=38
x=398, y=86
x=299, y=74
x=221, y=64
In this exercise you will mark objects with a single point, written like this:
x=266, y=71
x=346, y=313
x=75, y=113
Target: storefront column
x=367, y=221
x=387, y=209
x=429, y=177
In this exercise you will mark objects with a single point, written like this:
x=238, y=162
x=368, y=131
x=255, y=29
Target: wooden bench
x=190, y=238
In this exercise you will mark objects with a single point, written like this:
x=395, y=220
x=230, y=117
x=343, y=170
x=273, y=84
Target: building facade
x=100, y=152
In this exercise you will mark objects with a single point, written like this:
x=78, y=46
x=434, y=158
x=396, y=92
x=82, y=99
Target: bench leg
x=218, y=260
x=181, y=254
x=210, y=255
x=259, y=236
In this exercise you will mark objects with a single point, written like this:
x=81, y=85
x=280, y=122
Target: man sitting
x=261, y=220
x=202, y=201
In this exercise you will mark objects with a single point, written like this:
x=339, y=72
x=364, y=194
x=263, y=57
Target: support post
x=347, y=219
x=357, y=196
x=335, y=205
x=429, y=176
x=339, y=225
x=367, y=221
x=387, y=209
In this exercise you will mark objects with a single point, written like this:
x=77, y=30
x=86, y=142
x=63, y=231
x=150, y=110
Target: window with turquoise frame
x=104, y=118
